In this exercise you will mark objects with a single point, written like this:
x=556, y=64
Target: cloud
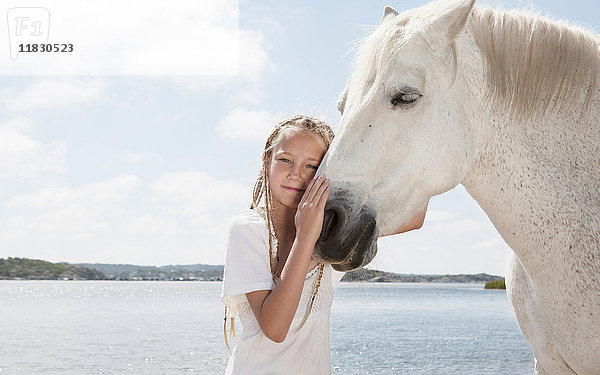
x=24, y=158
x=132, y=157
x=54, y=94
x=193, y=192
x=448, y=223
x=180, y=217
x=438, y=216
x=61, y=223
x=490, y=244
x=17, y=124
x=242, y=123
x=146, y=224
x=254, y=62
x=97, y=196
x=458, y=227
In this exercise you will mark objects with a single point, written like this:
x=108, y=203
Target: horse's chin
x=357, y=260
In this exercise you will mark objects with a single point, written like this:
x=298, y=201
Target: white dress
x=247, y=269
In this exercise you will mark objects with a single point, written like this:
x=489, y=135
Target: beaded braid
x=261, y=188
x=312, y=299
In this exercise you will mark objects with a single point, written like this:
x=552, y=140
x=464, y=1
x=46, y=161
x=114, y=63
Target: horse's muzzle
x=349, y=236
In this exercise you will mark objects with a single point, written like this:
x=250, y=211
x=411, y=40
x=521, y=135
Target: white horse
x=505, y=103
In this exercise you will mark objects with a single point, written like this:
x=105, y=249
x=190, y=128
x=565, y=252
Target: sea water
x=121, y=327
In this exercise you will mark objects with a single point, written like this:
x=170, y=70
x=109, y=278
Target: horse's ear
x=451, y=18
x=388, y=12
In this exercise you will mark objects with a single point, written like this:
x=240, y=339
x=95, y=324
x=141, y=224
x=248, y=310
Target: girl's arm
x=275, y=309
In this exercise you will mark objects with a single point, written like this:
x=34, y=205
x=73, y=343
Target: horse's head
x=404, y=135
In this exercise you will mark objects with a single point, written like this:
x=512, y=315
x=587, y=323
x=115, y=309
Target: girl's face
x=294, y=161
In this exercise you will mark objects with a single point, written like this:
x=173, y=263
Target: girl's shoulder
x=249, y=218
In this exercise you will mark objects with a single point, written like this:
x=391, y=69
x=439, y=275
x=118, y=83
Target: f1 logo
x=27, y=26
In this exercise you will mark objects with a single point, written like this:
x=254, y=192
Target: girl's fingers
x=307, y=191
x=319, y=193
x=317, y=183
x=323, y=198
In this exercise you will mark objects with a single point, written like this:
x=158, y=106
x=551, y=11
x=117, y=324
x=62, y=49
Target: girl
x=281, y=295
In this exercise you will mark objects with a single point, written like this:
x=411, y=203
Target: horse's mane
x=533, y=64
x=531, y=60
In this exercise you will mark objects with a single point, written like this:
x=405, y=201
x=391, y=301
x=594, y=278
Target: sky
x=105, y=160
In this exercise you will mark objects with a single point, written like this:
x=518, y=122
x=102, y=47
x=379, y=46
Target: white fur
x=522, y=134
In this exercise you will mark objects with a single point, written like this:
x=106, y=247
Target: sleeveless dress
x=247, y=269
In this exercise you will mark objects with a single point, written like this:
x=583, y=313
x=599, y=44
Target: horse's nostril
x=330, y=220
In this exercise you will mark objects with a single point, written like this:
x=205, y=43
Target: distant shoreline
x=204, y=281
x=35, y=269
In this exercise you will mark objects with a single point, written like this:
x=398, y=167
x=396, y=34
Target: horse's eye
x=404, y=98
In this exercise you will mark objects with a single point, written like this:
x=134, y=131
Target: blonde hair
x=261, y=190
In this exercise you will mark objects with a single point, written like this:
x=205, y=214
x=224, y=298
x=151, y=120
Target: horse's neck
x=556, y=157
x=538, y=182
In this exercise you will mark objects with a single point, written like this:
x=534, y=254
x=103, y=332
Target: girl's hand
x=309, y=216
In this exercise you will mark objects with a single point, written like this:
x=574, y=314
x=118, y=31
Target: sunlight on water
x=425, y=329
x=108, y=327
